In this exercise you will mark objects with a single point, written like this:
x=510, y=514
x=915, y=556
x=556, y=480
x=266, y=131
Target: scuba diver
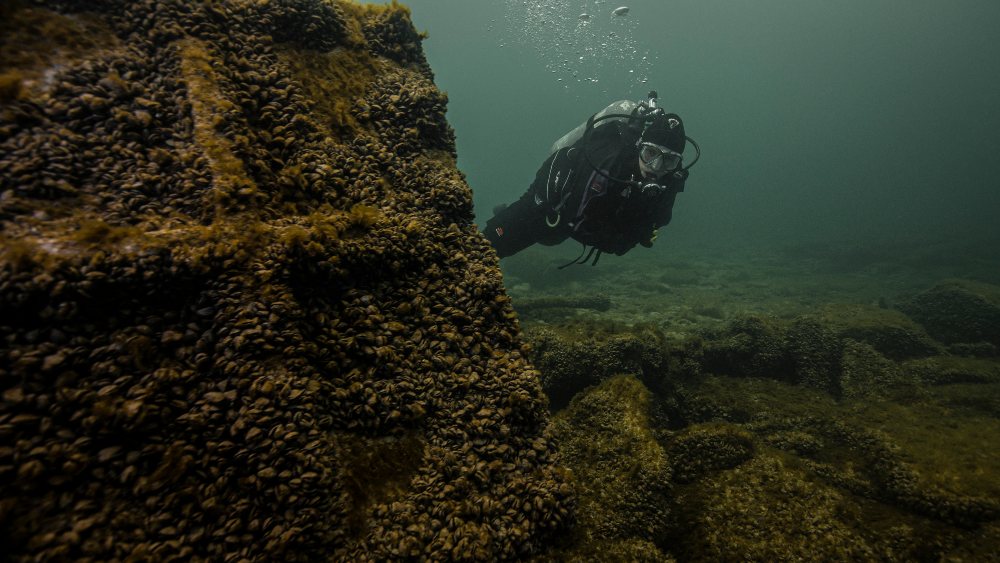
x=608, y=184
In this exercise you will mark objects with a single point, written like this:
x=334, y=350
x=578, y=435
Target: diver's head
x=661, y=145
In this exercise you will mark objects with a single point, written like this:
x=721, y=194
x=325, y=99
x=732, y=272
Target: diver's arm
x=542, y=176
x=664, y=210
x=641, y=215
x=664, y=207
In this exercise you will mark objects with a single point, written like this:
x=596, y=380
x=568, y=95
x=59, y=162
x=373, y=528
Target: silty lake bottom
x=812, y=401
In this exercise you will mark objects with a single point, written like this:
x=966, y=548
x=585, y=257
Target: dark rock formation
x=607, y=439
x=944, y=370
x=865, y=372
x=890, y=332
x=796, y=473
x=959, y=312
x=842, y=433
x=752, y=346
x=244, y=312
x=700, y=450
x=841, y=350
x=573, y=359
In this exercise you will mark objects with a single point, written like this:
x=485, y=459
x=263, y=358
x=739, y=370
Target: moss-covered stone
x=917, y=487
x=620, y=470
x=866, y=373
x=958, y=311
x=703, y=449
x=946, y=370
x=752, y=346
x=890, y=332
x=795, y=441
x=924, y=460
x=583, y=354
x=821, y=351
x=815, y=352
x=767, y=510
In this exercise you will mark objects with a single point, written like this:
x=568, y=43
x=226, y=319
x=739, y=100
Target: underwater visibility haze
x=867, y=121
x=792, y=321
x=247, y=312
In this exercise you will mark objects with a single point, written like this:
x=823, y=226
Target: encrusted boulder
x=310, y=24
x=703, y=449
x=945, y=370
x=581, y=355
x=842, y=350
x=818, y=469
x=751, y=346
x=765, y=510
x=864, y=372
x=620, y=470
x=390, y=34
x=815, y=351
x=959, y=312
x=893, y=334
x=244, y=311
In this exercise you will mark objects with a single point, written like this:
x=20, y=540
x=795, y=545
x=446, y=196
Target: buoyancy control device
x=635, y=116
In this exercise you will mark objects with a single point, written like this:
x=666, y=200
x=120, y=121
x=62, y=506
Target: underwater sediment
x=245, y=314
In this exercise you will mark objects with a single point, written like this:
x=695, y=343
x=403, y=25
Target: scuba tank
x=619, y=111
x=635, y=116
x=641, y=114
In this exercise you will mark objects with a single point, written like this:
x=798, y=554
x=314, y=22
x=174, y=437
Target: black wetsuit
x=570, y=199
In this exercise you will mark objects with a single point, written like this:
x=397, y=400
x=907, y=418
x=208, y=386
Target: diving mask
x=657, y=158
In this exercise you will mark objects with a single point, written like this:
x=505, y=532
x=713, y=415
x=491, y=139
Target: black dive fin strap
x=581, y=260
x=573, y=261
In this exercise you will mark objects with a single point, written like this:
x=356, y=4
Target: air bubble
x=562, y=37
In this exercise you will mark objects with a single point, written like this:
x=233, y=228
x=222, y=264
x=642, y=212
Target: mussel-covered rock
x=959, y=312
x=233, y=328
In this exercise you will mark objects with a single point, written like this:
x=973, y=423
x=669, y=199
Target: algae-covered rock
x=924, y=459
x=621, y=472
x=795, y=441
x=766, y=510
x=752, y=346
x=865, y=372
x=579, y=356
x=890, y=332
x=958, y=311
x=815, y=351
x=946, y=370
x=245, y=314
x=839, y=351
x=702, y=449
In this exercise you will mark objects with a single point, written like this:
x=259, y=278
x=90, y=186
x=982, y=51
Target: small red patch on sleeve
x=499, y=231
